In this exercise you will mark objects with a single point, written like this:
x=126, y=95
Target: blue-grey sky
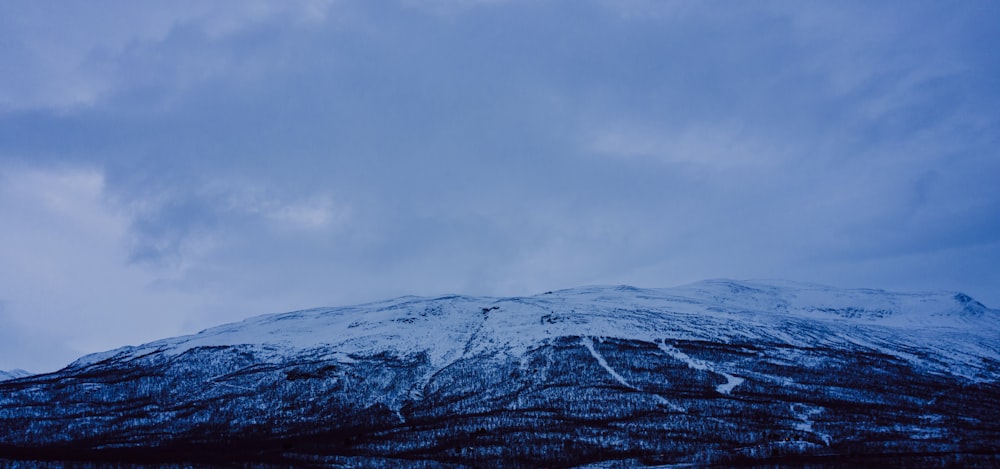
x=169, y=166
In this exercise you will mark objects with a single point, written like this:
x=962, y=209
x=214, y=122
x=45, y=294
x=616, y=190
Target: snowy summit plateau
x=717, y=372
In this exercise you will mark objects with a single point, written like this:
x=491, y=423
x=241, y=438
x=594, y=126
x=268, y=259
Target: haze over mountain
x=714, y=372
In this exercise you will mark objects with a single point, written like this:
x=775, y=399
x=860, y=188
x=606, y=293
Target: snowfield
x=447, y=328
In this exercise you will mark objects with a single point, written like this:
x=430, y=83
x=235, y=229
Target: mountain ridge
x=718, y=371
x=921, y=311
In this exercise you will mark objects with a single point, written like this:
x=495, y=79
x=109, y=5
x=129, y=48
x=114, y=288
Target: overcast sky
x=166, y=166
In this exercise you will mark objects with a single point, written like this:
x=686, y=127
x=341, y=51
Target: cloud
x=68, y=251
x=62, y=269
x=236, y=159
x=171, y=226
x=71, y=55
x=312, y=212
x=451, y=9
x=724, y=146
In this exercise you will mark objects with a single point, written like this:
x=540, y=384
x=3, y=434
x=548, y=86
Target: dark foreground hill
x=718, y=372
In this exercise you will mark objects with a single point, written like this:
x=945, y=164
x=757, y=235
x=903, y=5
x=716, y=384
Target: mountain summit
x=714, y=372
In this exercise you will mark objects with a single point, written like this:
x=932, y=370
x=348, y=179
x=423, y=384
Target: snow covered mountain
x=13, y=374
x=715, y=372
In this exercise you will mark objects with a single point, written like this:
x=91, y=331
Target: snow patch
x=805, y=424
x=731, y=382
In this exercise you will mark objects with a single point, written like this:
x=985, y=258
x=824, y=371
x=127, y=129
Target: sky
x=171, y=166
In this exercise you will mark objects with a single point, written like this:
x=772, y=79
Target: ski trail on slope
x=588, y=342
x=677, y=354
x=671, y=405
x=724, y=388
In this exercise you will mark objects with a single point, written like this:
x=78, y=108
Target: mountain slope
x=718, y=371
x=13, y=374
